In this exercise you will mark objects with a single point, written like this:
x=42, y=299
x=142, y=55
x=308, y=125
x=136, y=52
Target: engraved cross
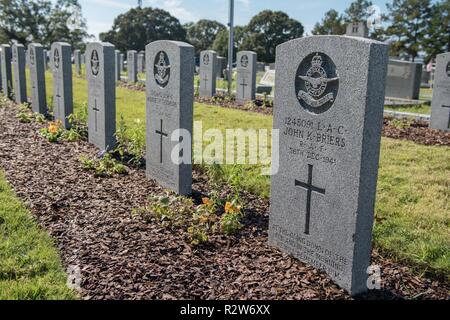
x=96, y=109
x=310, y=188
x=243, y=85
x=205, y=79
x=161, y=134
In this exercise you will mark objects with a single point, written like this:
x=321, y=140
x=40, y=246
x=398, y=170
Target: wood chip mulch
x=123, y=257
x=416, y=131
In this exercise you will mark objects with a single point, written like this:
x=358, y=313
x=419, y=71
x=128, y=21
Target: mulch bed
x=123, y=257
x=416, y=131
x=412, y=130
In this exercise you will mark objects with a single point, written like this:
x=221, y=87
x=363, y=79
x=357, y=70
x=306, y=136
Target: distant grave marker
x=62, y=82
x=246, y=76
x=100, y=73
x=37, y=78
x=208, y=65
x=440, y=105
x=18, y=65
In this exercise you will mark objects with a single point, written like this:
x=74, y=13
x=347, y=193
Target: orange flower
x=206, y=201
x=52, y=128
x=228, y=207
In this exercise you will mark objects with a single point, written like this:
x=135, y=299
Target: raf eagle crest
x=162, y=69
x=317, y=83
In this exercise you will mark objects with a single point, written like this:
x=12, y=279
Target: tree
x=138, y=27
x=267, y=30
x=220, y=45
x=66, y=24
x=358, y=11
x=437, y=39
x=41, y=21
x=409, y=26
x=332, y=23
x=203, y=33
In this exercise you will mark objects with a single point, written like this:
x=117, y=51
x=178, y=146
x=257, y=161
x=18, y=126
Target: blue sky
x=100, y=14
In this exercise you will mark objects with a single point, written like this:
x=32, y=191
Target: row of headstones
x=328, y=115
x=209, y=66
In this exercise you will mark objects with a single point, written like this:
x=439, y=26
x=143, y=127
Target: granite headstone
x=77, y=59
x=329, y=96
x=246, y=76
x=440, y=105
x=6, y=57
x=208, y=65
x=403, y=79
x=117, y=65
x=132, y=66
x=100, y=73
x=18, y=66
x=60, y=58
x=170, y=97
x=37, y=78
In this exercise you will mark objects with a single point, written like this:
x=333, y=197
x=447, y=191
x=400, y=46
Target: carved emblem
x=161, y=69
x=95, y=63
x=206, y=59
x=56, y=58
x=244, y=61
x=317, y=83
x=31, y=56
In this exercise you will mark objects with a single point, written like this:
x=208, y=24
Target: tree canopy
x=138, y=27
x=410, y=21
x=267, y=30
x=42, y=21
x=332, y=23
x=220, y=44
x=203, y=33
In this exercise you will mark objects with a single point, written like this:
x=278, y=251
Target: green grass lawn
x=412, y=209
x=30, y=267
x=422, y=109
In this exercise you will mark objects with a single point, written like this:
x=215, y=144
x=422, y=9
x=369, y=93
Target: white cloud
x=113, y=4
x=97, y=27
x=245, y=3
x=176, y=8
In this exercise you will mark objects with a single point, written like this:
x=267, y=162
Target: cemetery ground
x=132, y=256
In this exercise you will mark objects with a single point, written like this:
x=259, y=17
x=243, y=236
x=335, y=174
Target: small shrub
x=53, y=131
x=401, y=124
x=103, y=166
x=23, y=117
x=230, y=221
x=130, y=142
x=39, y=117
x=3, y=100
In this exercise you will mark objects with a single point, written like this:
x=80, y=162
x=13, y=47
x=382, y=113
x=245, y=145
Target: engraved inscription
x=315, y=139
x=310, y=252
x=317, y=83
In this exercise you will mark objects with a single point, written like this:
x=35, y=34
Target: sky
x=100, y=14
